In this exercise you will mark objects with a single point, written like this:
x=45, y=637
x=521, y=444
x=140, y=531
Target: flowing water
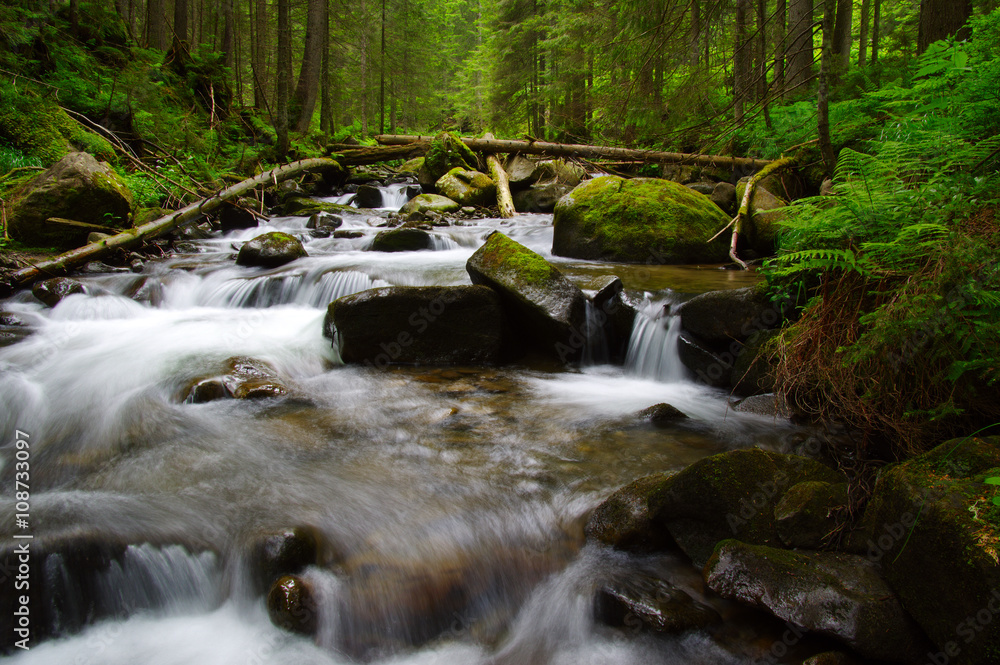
x=452, y=500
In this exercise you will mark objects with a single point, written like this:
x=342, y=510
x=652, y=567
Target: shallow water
x=452, y=499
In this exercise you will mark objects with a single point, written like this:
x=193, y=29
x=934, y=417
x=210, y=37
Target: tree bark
x=800, y=43
x=63, y=263
x=504, y=201
x=307, y=89
x=180, y=26
x=823, y=97
x=326, y=102
x=156, y=25
x=258, y=51
x=228, y=35
x=866, y=14
x=781, y=16
x=587, y=151
x=940, y=19
x=876, y=25
x=741, y=63
x=284, y=81
x=842, y=35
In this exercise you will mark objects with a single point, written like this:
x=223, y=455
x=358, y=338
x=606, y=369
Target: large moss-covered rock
x=425, y=203
x=297, y=205
x=467, y=188
x=729, y=495
x=411, y=166
x=418, y=325
x=78, y=187
x=932, y=526
x=643, y=220
x=270, y=250
x=447, y=152
x=834, y=594
x=549, y=309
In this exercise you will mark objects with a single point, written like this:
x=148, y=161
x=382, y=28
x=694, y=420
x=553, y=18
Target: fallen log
x=504, y=201
x=355, y=156
x=585, y=151
x=63, y=263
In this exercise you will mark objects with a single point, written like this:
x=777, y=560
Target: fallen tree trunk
x=585, y=151
x=504, y=201
x=355, y=156
x=63, y=263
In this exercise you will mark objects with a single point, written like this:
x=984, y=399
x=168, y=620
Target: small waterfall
x=310, y=289
x=395, y=196
x=652, y=348
x=441, y=243
x=596, y=350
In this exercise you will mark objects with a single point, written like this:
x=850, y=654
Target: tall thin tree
x=307, y=89
x=284, y=80
x=823, y=97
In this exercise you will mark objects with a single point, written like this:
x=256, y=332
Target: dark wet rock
x=540, y=197
x=927, y=525
x=834, y=594
x=724, y=196
x=832, y=658
x=78, y=188
x=270, y=250
x=730, y=315
x=467, y=188
x=324, y=221
x=654, y=604
x=418, y=325
x=616, y=315
x=285, y=552
x=101, y=268
x=549, y=309
x=705, y=188
x=51, y=291
x=753, y=371
x=208, y=390
x=626, y=519
x=708, y=367
x=232, y=217
x=369, y=197
x=12, y=329
x=766, y=210
x=642, y=220
x=348, y=234
x=249, y=378
x=445, y=153
x=401, y=240
x=292, y=606
x=662, y=415
x=427, y=203
x=520, y=171
x=809, y=512
x=302, y=206
x=764, y=405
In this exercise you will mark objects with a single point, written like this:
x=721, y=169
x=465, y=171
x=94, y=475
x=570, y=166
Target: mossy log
x=585, y=151
x=504, y=200
x=63, y=263
x=360, y=156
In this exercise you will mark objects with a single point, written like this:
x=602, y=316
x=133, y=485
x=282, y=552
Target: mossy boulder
x=541, y=301
x=467, y=188
x=401, y=240
x=729, y=495
x=270, y=250
x=425, y=203
x=830, y=593
x=296, y=205
x=810, y=512
x=79, y=188
x=447, y=152
x=411, y=166
x=643, y=220
x=418, y=325
x=932, y=526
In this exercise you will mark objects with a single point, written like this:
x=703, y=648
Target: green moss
x=39, y=128
x=642, y=220
x=515, y=258
x=447, y=152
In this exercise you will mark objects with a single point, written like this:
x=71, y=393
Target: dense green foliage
x=905, y=257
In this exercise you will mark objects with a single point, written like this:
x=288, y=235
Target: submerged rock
x=642, y=220
x=291, y=604
x=549, y=309
x=270, y=250
x=418, y=325
x=51, y=291
x=655, y=604
x=626, y=519
x=662, y=415
x=242, y=377
x=834, y=594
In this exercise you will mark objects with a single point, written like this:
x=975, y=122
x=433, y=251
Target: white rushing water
x=451, y=499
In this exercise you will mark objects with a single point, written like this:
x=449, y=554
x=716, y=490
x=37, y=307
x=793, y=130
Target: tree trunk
x=940, y=19
x=258, y=49
x=842, y=35
x=780, y=15
x=156, y=25
x=66, y=261
x=800, y=43
x=381, y=81
x=307, y=89
x=866, y=13
x=284, y=81
x=180, y=24
x=326, y=103
x=876, y=25
x=228, y=35
x=741, y=63
x=823, y=100
x=587, y=152
x=694, y=38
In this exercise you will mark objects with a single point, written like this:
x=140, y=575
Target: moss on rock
x=424, y=203
x=39, y=128
x=270, y=250
x=642, y=220
x=447, y=152
x=467, y=187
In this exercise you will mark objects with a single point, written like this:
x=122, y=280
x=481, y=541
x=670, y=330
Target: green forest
x=896, y=102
